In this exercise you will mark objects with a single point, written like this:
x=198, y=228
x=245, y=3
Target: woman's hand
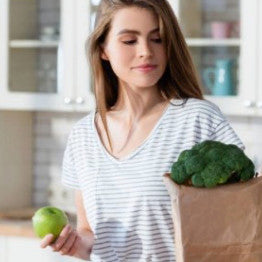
x=67, y=243
x=71, y=242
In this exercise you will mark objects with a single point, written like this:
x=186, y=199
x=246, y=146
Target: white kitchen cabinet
x=39, y=66
x=15, y=249
x=85, y=99
x=23, y=50
x=197, y=18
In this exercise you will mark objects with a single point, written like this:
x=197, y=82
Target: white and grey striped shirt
x=126, y=202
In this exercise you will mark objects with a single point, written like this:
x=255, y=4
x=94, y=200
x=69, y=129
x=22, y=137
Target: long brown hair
x=179, y=79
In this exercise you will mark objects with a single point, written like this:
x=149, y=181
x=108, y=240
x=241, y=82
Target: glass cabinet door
x=37, y=49
x=33, y=37
x=212, y=30
x=222, y=38
x=85, y=98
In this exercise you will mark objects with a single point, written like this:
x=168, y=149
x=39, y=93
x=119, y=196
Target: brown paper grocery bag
x=221, y=224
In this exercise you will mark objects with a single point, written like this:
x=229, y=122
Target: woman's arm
x=83, y=229
x=71, y=242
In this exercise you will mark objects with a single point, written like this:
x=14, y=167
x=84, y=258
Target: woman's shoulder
x=197, y=106
x=82, y=125
x=84, y=121
x=195, y=102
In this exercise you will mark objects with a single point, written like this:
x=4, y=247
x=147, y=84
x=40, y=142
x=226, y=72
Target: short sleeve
x=69, y=176
x=226, y=134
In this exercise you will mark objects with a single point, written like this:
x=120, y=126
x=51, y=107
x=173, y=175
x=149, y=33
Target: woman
x=149, y=108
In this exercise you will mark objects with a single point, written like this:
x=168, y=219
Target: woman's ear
x=104, y=56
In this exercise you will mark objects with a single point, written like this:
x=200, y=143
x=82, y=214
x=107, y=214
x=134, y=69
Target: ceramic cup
x=220, y=30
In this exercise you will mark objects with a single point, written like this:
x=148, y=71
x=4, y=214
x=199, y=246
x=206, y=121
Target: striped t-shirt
x=126, y=202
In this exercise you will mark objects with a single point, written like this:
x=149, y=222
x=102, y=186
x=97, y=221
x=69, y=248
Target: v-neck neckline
x=138, y=148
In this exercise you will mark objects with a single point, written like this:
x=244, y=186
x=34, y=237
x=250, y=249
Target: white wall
x=51, y=131
x=249, y=130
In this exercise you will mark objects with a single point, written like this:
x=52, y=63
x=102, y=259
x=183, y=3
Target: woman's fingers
x=69, y=243
x=47, y=240
x=60, y=241
x=74, y=247
x=66, y=243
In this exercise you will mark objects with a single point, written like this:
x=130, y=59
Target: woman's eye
x=130, y=42
x=157, y=40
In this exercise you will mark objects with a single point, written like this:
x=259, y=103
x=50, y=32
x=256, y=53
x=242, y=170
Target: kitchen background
x=45, y=87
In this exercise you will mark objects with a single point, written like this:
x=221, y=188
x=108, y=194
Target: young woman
x=149, y=108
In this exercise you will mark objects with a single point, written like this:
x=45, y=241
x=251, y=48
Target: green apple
x=49, y=220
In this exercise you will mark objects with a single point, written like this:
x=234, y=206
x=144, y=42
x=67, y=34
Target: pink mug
x=220, y=29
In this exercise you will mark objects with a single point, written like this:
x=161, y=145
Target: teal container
x=222, y=83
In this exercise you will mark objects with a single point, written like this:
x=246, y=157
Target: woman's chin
x=144, y=84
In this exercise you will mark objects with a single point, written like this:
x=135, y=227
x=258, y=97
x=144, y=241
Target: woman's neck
x=134, y=103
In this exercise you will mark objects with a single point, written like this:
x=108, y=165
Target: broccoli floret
x=194, y=164
x=206, y=146
x=197, y=180
x=178, y=172
x=214, y=154
x=214, y=173
x=212, y=163
x=248, y=172
x=184, y=155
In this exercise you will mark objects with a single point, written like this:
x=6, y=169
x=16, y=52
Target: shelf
x=213, y=42
x=32, y=44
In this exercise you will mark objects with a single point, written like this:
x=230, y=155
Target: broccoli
x=180, y=171
x=211, y=163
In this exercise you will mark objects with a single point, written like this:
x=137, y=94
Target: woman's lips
x=145, y=68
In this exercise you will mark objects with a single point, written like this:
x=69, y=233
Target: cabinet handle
x=259, y=104
x=249, y=103
x=80, y=100
x=68, y=100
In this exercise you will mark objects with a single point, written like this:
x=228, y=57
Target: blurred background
x=46, y=86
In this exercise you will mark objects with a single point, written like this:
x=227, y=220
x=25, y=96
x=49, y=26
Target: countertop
x=16, y=227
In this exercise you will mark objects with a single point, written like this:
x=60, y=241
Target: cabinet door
x=36, y=48
x=175, y=6
x=222, y=37
x=84, y=99
x=28, y=249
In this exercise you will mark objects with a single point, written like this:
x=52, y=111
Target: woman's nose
x=145, y=49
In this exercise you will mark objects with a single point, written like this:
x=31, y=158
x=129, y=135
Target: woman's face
x=134, y=41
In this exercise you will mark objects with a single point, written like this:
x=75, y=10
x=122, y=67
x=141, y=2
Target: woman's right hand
x=78, y=243
x=67, y=243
